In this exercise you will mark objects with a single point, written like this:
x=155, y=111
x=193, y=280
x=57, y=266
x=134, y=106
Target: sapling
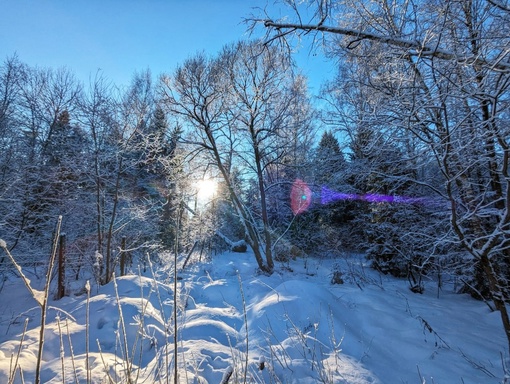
x=122, y=328
x=175, y=302
x=163, y=316
x=141, y=334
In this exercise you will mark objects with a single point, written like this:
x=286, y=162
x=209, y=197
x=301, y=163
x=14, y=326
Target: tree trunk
x=263, y=202
x=109, y=235
x=251, y=231
x=497, y=294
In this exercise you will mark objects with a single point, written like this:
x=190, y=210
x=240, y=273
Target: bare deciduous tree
x=237, y=106
x=443, y=72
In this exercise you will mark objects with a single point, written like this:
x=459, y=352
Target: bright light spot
x=206, y=189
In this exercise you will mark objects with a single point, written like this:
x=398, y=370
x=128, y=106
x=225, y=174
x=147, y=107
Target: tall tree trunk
x=497, y=294
x=263, y=203
x=109, y=235
x=249, y=225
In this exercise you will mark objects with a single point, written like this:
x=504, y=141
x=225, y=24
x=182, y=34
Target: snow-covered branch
x=414, y=47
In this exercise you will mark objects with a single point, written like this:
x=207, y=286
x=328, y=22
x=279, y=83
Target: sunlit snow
x=372, y=329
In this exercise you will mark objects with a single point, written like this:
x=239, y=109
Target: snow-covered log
x=235, y=246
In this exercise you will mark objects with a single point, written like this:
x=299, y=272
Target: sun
x=206, y=188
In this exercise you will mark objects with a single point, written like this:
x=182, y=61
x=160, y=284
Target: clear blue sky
x=123, y=36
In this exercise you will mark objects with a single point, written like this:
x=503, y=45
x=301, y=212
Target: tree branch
x=421, y=49
x=499, y=5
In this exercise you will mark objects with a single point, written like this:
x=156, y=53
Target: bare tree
x=237, y=105
x=44, y=97
x=96, y=109
x=443, y=71
x=11, y=72
x=196, y=94
x=113, y=121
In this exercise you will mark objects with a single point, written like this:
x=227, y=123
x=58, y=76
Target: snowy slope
x=372, y=329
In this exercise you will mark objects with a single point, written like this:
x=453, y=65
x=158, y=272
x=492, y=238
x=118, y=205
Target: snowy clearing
x=301, y=328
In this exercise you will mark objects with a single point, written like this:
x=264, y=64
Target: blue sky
x=120, y=37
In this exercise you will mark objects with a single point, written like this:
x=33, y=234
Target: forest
x=404, y=156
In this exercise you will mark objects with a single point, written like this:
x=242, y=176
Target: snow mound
x=290, y=327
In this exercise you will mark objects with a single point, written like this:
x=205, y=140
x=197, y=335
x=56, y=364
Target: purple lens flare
x=301, y=195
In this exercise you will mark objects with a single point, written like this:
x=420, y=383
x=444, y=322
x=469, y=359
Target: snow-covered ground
x=371, y=329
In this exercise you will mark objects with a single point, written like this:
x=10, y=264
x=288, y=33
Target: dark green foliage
x=325, y=227
x=329, y=160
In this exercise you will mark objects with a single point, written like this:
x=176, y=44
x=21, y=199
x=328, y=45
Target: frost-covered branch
x=414, y=47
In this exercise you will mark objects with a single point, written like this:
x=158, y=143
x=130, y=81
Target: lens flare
x=300, y=197
x=328, y=196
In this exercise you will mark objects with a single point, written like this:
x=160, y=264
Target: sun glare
x=206, y=189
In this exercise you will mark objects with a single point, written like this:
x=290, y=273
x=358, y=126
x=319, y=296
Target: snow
x=301, y=328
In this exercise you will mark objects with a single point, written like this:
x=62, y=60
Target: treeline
x=86, y=152
x=125, y=163
x=406, y=161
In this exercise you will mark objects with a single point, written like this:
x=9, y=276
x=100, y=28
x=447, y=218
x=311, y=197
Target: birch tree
x=196, y=93
x=235, y=105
